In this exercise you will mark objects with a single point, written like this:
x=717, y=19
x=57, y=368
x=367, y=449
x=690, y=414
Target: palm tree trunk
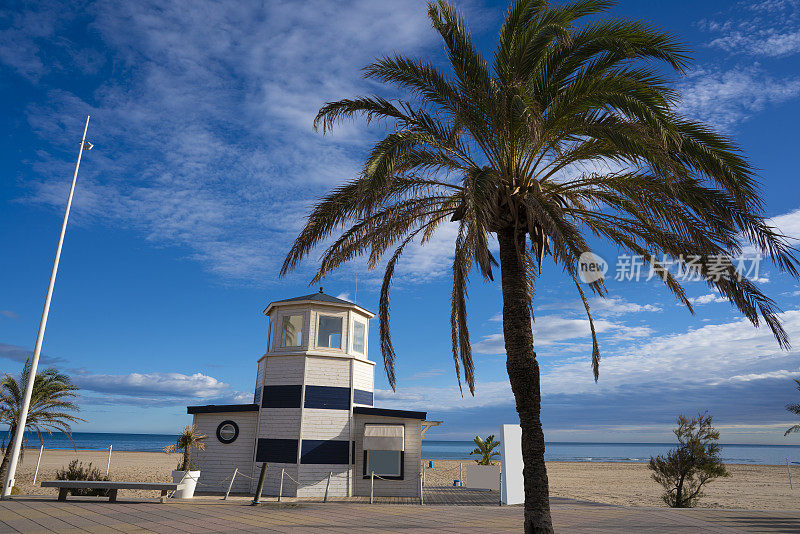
x=523, y=373
x=7, y=454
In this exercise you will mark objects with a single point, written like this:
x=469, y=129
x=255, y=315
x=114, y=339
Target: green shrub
x=77, y=471
x=693, y=463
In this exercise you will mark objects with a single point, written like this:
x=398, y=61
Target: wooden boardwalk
x=212, y=515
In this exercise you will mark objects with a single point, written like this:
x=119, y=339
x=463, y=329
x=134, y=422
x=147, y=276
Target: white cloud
x=445, y=398
x=619, y=306
x=782, y=373
x=202, y=133
x=734, y=352
x=554, y=330
x=196, y=385
x=8, y=314
x=20, y=354
x=707, y=355
x=707, y=299
x=726, y=98
x=768, y=29
x=788, y=224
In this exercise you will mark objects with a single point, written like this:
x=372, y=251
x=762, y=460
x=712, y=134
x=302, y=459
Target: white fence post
x=371, y=486
x=790, y=474
x=423, y=474
x=36, y=473
x=328, y=485
x=461, y=472
x=236, y=470
x=421, y=500
x=280, y=489
x=108, y=465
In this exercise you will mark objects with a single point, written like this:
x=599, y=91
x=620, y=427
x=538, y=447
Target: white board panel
x=483, y=477
x=513, y=487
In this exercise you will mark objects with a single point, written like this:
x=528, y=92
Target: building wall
x=409, y=486
x=314, y=478
x=280, y=370
x=218, y=460
x=321, y=371
x=272, y=481
x=363, y=375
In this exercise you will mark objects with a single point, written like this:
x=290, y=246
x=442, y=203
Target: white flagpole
x=26, y=401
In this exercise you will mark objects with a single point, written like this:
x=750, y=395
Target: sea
x=459, y=450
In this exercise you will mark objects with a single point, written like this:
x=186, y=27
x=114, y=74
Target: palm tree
x=795, y=409
x=51, y=402
x=521, y=151
x=485, y=449
x=189, y=439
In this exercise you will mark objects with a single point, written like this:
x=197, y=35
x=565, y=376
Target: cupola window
x=292, y=331
x=329, y=332
x=359, y=333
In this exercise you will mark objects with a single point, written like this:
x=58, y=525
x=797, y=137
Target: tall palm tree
x=50, y=406
x=507, y=150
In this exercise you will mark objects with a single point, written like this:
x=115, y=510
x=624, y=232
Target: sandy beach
x=751, y=487
x=128, y=466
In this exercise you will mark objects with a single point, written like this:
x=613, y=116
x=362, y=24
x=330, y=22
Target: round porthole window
x=227, y=432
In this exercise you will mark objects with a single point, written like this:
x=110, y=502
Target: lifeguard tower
x=312, y=414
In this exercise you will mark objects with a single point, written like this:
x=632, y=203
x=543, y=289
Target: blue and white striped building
x=312, y=412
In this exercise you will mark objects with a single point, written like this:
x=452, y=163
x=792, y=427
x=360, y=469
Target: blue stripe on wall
x=282, y=396
x=327, y=397
x=277, y=450
x=362, y=397
x=324, y=451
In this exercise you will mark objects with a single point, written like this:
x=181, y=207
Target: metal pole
x=26, y=401
x=36, y=473
x=280, y=489
x=421, y=501
x=236, y=470
x=423, y=474
x=501, y=488
x=790, y=474
x=328, y=485
x=371, y=486
x=461, y=473
x=108, y=465
x=260, y=488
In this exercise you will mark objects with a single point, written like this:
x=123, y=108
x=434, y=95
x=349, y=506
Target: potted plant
x=486, y=474
x=187, y=471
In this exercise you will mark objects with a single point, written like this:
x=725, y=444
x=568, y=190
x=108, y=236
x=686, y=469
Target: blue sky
x=205, y=163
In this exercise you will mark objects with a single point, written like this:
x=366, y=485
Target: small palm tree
x=50, y=406
x=570, y=135
x=485, y=449
x=795, y=409
x=189, y=439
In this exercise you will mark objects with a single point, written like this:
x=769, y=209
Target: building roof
x=387, y=412
x=318, y=297
x=222, y=408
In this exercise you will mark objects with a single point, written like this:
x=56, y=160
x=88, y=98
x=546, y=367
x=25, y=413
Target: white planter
x=189, y=483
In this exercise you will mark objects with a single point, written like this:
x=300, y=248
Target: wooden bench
x=111, y=485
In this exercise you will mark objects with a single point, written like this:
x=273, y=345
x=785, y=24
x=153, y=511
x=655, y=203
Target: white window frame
x=353, y=337
x=342, y=341
x=303, y=328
